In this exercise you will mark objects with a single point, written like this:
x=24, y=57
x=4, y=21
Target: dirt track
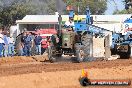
x=65, y=75
x=37, y=67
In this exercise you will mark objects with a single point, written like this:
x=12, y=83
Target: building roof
x=53, y=19
x=111, y=18
x=102, y=18
x=39, y=19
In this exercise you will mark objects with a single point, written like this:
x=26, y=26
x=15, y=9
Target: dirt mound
x=15, y=60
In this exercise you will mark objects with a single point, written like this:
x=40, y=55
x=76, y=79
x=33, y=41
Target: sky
x=111, y=6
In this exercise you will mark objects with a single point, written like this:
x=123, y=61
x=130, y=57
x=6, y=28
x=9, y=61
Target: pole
x=60, y=21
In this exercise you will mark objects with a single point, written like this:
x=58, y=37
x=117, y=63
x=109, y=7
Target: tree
x=16, y=10
x=128, y=4
x=44, y=6
x=12, y=10
x=129, y=11
x=96, y=6
x=128, y=8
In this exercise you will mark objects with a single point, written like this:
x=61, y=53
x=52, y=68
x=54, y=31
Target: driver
x=69, y=23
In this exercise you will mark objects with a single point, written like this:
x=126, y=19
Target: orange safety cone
x=84, y=73
x=84, y=81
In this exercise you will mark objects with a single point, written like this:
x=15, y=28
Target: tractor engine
x=68, y=39
x=67, y=43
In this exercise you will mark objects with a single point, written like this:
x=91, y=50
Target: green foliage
x=51, y=7
x=129, y=11
x=15, y=11
x=96, y=6
x=44, y=7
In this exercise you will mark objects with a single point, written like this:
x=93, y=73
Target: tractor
x=75, y=40
x=122, y=42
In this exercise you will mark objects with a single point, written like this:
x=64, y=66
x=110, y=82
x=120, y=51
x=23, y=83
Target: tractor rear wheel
x=87, y=45
x=83, y=51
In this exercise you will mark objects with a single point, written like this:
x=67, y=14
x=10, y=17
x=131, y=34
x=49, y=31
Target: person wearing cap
x=11, y=42
x=27, y=44
x=69, y=23
x=21, y=44
x=37, y=42
x=32, y=48
x=1, y=44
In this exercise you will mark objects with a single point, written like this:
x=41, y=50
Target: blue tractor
x=122, y=42
x=74, y=40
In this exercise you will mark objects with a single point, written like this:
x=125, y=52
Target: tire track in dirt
x=59, y=66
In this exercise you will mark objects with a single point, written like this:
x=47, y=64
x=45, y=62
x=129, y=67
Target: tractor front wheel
x=51, y=56
x=80, y=55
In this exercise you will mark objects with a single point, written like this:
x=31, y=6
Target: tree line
x=127, y=8
x=12, y=10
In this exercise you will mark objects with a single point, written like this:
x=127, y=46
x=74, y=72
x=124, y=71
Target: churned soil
x=26, y=72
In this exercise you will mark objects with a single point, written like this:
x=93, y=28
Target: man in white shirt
x=1, y=44
x=11, y=42
x=70, y=23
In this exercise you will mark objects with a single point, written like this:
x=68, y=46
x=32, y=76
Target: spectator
x=21, y=44
x=37, y=42
x=27, y=44
x=1, y=44
x=32, y=37
x=11, y=42
x=5, y=38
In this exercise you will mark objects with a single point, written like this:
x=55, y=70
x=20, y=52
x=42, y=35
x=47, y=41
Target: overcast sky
x=111, y=6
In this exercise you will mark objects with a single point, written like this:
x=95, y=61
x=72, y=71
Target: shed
x=32, y=22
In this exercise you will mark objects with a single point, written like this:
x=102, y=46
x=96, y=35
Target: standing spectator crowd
x=27, y=42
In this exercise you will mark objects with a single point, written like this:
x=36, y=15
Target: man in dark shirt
x=37, y=42
x=27, y=44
